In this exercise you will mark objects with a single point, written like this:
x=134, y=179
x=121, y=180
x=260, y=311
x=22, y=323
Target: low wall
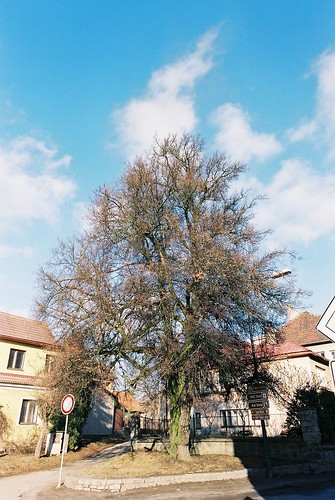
x=279, y=447
x=290, y=448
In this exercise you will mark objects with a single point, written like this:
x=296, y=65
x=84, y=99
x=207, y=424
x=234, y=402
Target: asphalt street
x=43, y=485
x=320, y=487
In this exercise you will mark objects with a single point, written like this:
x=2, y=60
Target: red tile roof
x=302, y=329
x=289, y=347
x=285, y=350
x=17, y=379
x=24, y=330
x=128, y=401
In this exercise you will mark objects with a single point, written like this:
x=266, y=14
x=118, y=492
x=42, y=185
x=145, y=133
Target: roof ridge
x=300, y=314
x=23, y=318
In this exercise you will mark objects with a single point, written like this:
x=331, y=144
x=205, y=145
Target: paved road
x=30, y=486
x=43, y=486
x=319, y=487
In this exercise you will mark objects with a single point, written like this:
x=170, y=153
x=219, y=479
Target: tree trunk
x=41, y=438
x=179, y=420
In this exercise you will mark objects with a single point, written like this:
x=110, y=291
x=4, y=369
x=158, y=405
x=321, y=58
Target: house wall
x=34, y=358
x=11, y=398
x=12, y=394
x=325, y=349
x=294, y=370
x=100, y=418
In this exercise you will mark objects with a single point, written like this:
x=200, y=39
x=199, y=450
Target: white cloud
x=304, y=132
x=322, y=126
x=300, y=204
x=9, y=251
x=168, y=105
x=31, y=185
x=236, y=137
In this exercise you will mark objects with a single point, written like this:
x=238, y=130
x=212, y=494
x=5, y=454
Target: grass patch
x=142, y=464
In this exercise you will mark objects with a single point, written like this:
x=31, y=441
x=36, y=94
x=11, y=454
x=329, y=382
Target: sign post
x=66, y=407
x=259, y=407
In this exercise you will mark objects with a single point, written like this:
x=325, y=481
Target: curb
x=126, y=484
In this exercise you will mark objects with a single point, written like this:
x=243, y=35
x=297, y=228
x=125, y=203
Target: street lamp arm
x=280, y=274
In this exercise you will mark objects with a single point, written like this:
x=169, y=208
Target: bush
x=312, y=397
x=77, y=419
x=4, y=425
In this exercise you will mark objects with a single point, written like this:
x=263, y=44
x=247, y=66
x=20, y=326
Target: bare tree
x=169, y=276
x=76, y=370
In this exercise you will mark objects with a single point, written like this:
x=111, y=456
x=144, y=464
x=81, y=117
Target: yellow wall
x=11, y=400
x=12, y=395
x=34, y=359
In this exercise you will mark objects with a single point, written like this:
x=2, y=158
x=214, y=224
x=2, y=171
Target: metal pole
x=266, y=448
x=63, y=451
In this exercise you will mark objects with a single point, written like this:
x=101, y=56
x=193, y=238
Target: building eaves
x=20, y=380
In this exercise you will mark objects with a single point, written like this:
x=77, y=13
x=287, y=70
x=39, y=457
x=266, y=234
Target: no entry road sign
x=67, y=404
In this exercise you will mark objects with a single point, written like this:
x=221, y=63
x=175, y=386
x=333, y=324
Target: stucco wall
x=34, y=359
x=12, y=394
x=100, y=418
x=11, y=402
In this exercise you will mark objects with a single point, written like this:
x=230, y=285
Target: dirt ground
x=144, y=464
x=17, y=463
x=131, y=464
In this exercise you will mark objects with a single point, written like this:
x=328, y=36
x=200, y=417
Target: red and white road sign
x=67, y=404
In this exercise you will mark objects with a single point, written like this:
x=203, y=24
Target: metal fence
x=227, y=423
x=234, y=422
x=154, y=426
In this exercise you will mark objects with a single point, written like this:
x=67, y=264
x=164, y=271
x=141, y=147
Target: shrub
x=4, y=425
x=312, y=397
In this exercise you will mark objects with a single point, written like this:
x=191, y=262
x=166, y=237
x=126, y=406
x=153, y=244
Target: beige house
x=26, y=348
x=304, y=354
x=302, y=329
x=294, y=364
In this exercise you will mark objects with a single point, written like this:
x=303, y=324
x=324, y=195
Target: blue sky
x=85, y=85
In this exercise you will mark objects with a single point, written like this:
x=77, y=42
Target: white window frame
x=321, y=374
x=14, y=354
x=28, y=412
x=49, y=360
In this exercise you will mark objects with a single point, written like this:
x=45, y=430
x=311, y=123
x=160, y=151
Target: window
x=234, y=418
x=16, y=358
x=197, y=420
x=28, y=413
x=49, y=360
x=321, y=374
x=226, y=418
x=332, y=354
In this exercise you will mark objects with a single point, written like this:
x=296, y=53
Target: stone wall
x=294, y=449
